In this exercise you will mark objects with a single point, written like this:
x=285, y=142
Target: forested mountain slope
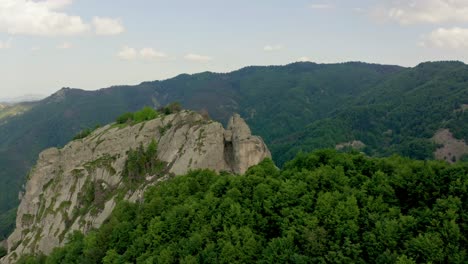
x=301, y=106
x=8, y=110
x=277, y=99
x=399, y=115
x=324, y=207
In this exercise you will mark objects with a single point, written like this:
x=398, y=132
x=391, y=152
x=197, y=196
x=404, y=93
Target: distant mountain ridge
x=23, y=98
x=296, y=107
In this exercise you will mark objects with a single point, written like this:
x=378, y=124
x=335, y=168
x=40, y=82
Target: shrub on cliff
x=145, y=114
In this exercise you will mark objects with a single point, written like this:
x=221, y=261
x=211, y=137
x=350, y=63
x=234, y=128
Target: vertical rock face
x=76, y=187
x=247, y=150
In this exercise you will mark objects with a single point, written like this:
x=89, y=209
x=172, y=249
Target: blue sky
x=89, y=44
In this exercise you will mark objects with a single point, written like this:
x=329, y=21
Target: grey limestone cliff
x=77, y=187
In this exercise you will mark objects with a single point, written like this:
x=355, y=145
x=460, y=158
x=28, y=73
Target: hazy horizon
x=34, y=97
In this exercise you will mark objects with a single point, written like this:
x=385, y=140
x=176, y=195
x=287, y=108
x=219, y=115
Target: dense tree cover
x=324, y=207
x=398, y=115
x=296, y=107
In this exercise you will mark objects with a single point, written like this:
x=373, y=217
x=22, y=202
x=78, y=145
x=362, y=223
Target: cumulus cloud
x=42, y=18
x=272, y=47
x=450, y=38
x=321, y=6
x=127, y=53
x=56, y=4
x=5, y=44
x=149, y=53
x=107, y=26
x=197, y=57
x=425, y=11
x=65, y=45
x=48, y=18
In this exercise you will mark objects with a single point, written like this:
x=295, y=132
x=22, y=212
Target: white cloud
x=57, y=4
x=272, y=47
x=42, y=18
x=5, y=44
x=321, y=6
x=197, y=57
x=149, y=53
x=65, y=45
x=107, y=26
x=127, y=53
x=304, y=59
x=425, y=11
x=47, y=18
x=450, y=38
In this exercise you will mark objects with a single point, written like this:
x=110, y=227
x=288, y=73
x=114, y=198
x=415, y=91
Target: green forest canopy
x=324, y=207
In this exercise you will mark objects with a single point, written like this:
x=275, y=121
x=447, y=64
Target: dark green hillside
x=324, y=207
x=399, y=115
x=296, y=107
x=8, y=110
x=308, y=92
x=276, y=100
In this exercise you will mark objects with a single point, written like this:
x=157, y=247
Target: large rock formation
x=76, y=187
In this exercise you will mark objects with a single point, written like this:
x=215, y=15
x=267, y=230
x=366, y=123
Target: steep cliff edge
x=76, y=187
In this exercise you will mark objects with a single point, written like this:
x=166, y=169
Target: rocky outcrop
x=450, y=149
x=355, y=144
x=77, y=187
x=186, y=146
x=243, y=147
